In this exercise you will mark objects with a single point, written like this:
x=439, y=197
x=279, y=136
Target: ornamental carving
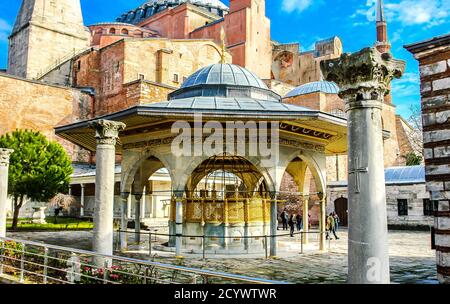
x=4, y=156
x=107, y=131
x=364, y=75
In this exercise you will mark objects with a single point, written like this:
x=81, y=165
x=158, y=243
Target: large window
x=402, y=207
x=427, y=207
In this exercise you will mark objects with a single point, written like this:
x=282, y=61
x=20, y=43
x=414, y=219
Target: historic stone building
x=148, y=52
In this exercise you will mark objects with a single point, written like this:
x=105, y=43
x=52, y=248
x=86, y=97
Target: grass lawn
x=63, y=223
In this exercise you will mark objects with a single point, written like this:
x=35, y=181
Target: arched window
x=124, y=32
x=112, y=31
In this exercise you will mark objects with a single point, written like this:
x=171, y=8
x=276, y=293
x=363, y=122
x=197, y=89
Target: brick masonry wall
x=32, y=105
x=434, y=65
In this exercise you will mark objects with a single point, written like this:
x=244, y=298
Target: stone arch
x=183, y=178
x=206, y=51
x=124, y=31
x=129, y=174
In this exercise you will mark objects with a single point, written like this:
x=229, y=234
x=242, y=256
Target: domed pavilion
x=223, y=124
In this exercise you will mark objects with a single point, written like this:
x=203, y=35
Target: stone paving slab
x=411, y=258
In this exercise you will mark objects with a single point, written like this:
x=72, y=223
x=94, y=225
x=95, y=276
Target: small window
x=112, y=31
x=184, y=79
x=141, y=76
x=124, y=32
x=435, y=206
x=176, y=78
x=402, y=207
x=79, y=65
x=427, y=207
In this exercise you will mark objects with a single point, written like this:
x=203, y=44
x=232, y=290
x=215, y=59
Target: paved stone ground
x=412, y=260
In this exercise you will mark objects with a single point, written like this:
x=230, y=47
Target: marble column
x=137, y=218
x=322, y=222
x=273, y=225
x=124, y=221
x=305, y=220
x=364, y=78
x=107, y=133
x=178, y=224
x=4, y=167
x=82, y=201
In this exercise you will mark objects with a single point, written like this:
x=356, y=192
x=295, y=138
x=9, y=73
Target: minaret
x=45, y=32
x=382, y=43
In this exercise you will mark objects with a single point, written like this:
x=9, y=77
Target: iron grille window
x=427, y=207
x=402, y=207
x=435, y=205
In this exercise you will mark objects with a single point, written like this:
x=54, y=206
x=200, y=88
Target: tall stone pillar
x=364, y=78
x=305, y=221
x=178, y=224
x=137, y=218
x=124, y=221
x=322, y=222
x=434, y=60
x=107, y=133
x=82, y=200
x=4, y=167
x=273, y=225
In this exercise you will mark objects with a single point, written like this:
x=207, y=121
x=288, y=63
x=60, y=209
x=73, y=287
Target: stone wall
x=415, y=194
x=44, y=33
x=26, y=104
x=434, y=62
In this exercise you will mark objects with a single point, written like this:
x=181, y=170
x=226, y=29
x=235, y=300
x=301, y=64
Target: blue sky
x=306, y=21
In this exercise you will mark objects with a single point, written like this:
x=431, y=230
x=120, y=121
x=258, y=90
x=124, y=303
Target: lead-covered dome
x=225, y=80
x=312, y=87
x=152, y=7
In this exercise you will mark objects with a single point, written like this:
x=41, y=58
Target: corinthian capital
x=364, y=75
x=4, y=156
x=107, y=131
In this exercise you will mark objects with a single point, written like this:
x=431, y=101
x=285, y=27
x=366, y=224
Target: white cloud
x=5, y=30
x=427, y=13
x=406, y=86
x=296, y=5
x=419, y=12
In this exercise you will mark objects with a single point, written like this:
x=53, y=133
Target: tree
x=38, y=169
x=62, y=202
x=412, y=159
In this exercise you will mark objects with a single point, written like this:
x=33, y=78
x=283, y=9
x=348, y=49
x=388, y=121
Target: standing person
x=284, y=219
x=337, y=221
x=336, y=224
x=330, y=226
x=291, y=225
x=299, y=221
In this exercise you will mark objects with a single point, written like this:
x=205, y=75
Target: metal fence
x=150, y=242
x=38, y=263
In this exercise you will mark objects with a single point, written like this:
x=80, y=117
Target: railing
x=31, y=262
x=151, y=242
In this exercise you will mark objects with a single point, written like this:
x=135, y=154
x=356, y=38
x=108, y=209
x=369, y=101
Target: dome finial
x=223, y=50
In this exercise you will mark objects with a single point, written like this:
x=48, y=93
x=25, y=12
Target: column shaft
x=273, y=226
x=124, y=222
x=306, y=221
x=368, y=238
x=82, y=201
x=4, y=167
x=137, y=219
x=178, y=226
x=322, y=224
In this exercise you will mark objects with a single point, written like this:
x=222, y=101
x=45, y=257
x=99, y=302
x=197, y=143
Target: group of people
x=291, y=221
x=332, y=225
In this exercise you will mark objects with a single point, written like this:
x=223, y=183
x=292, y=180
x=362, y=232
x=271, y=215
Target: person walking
x=337, y=221
x=284, y=219
x=299, y=221
x=291, y=225
x=329, y=226
x=336, y=224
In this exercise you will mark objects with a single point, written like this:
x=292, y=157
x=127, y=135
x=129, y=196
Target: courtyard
x=411, y=259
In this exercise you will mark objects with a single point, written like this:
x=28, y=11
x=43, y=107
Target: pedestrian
x=329, y=226
x=337, y=221
x=291, y=225
x=299, y=221
x=335, y=224
x=284, y=219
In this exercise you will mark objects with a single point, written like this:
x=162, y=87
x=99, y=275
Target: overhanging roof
x=221, y=109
